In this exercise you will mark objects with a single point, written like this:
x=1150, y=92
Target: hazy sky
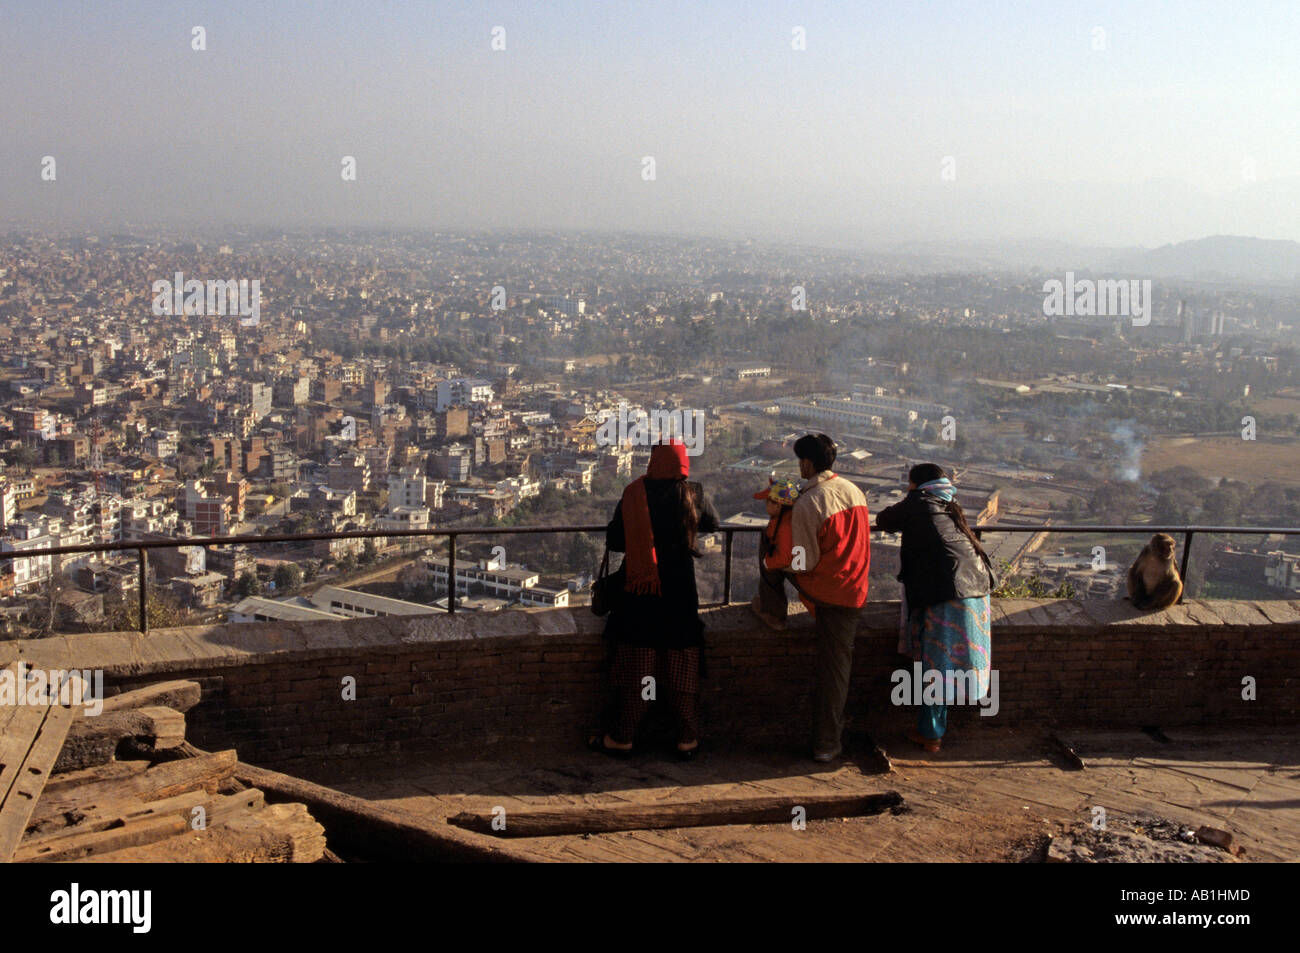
x=1186, y=124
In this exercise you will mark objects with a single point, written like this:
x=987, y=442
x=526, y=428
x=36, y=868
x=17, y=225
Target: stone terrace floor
x=992, y=794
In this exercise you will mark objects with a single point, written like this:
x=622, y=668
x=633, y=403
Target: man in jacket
x=831, y=554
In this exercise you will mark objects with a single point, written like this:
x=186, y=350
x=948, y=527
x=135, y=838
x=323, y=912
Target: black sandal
x=597, y=743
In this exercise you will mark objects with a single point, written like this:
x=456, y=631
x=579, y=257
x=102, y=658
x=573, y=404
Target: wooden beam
x=586, y=819
x=95, y=739
x=107, y=814
x=112, y=771
x=80, y=846
x=356, y=827
x=181, y=695
x=29, y=748
x=154, y=784
x=281, y=833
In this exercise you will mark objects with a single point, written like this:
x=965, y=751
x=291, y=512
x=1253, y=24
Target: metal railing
x=142, y=547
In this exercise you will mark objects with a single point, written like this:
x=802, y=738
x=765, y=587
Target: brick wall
x=275, y=690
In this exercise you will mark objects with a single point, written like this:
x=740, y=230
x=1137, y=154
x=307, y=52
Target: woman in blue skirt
x=946, y=583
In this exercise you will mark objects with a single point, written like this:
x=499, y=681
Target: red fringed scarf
x=667, y=462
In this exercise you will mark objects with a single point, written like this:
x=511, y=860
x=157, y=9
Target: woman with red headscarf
x=655, y=626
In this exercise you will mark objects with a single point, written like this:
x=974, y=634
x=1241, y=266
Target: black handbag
x=607, y=590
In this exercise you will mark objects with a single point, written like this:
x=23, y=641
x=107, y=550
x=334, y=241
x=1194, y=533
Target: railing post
x=726, y=573
x=451, y=573
x=1187, y=556
x=144, y=606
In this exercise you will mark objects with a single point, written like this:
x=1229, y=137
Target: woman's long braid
x=959, y=517
x=690, y=515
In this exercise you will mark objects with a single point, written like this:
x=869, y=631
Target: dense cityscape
x=257, y=382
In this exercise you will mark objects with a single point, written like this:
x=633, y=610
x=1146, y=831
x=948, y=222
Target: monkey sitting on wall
x=1153, y=580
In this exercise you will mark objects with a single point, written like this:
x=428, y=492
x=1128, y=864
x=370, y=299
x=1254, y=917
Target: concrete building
x=162, y=444
x=350, y=472
x=1282, y=571
x=291, y=391
x=489, y=576
x=452, y=463
x=860, y=411
x=208, y=510
x=461, y=391
x=352, y=604
x=257, y=397
x=32, y=571
x=407, y=487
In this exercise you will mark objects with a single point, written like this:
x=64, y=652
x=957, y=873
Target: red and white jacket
x=833, y=527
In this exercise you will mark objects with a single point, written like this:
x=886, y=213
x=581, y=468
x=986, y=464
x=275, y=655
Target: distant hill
x=1220, y=258
x=1217, y=258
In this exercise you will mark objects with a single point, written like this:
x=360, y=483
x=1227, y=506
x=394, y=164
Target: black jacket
x=938, y=561
x=670, y=620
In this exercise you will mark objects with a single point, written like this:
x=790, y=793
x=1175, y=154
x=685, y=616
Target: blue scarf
x=941, y=488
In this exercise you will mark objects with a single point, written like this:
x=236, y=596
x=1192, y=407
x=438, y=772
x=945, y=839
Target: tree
x=1115, y=502
x=368, y=552
x=1222, y=506
x=25, y=457
x=287, y=576
x=1176, y=505
x=247, y=585
x=123, y=610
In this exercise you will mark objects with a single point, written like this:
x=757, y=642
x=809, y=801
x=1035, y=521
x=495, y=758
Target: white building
x=1282, y=571
x=162, y=444
x=460, y=391
x=353, y=604
x=32, y=571
x=407, y=487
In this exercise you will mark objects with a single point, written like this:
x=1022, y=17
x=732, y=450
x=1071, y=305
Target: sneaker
x=769, y=620
x=825, y=757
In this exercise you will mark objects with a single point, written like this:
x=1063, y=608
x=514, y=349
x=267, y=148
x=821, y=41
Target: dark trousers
x=674, y=671
x=771, y=590
x=836, y=628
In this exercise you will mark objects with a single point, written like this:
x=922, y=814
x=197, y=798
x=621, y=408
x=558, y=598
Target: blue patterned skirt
x=950, y=637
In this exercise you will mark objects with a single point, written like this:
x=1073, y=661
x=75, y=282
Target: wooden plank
x=216, y=808
x=281, y=833
x=96, y=739
x=79, y=846
x=586, y=819
x=9, y=673
x=181, y=695
x=156, y=783
x=28, y=751
x=176, y=777
x=361, y=828
x=112, y=771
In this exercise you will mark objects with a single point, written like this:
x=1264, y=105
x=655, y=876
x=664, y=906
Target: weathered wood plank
x=112, y=771
x=586, y=819
x=281, y=833
x=79, y=846
x=181, y=695
x=216, y=809
x=154, y=784
x=114, y=813
x=28, y=751
x=95, y=739
x=357, y=827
